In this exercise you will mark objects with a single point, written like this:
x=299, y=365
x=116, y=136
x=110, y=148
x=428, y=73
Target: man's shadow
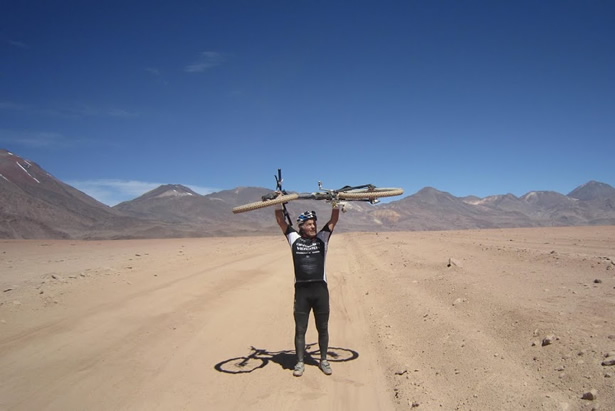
x=259, y=358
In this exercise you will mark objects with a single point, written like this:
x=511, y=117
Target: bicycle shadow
x=259, y=358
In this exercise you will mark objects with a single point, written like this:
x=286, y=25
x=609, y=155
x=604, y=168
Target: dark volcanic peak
x=593, y=190
x=28, y=178
x=168, y=191
x=18, y=170
x=432, y=196
x=37, y=205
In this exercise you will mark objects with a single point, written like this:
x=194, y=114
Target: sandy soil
x=434, y=320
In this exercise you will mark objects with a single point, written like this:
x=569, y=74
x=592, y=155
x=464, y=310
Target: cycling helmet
x=306, y=215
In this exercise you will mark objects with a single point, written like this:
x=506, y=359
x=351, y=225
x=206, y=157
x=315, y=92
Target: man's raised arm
x=279, y=217
x=335, y=215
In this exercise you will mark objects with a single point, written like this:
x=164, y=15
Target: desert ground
x=452, y=320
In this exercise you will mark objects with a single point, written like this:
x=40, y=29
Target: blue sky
x=469, y=97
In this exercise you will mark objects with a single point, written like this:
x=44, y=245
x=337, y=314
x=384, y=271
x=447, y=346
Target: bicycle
x=366, y=192
x=259, y=358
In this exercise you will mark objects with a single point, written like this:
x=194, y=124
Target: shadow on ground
x=260, y=357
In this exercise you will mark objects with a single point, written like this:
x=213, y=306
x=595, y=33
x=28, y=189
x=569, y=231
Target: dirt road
x=438, y=320
x=143, y=324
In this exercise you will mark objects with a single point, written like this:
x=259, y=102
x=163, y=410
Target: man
x=309, y=249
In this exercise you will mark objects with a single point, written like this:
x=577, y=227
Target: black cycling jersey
x=309, y=254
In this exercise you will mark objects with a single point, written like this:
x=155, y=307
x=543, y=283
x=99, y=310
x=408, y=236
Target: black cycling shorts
x=312, y=295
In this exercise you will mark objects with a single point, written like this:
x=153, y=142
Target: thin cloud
x=153, y=71
x=206, y=60
x=18, y=44
x=118, y=112
x=33, y=139
x=68, y=111
x=157, y=75
x=114, y=191
x=49, y=140
x=9, y=105
x=84, y=110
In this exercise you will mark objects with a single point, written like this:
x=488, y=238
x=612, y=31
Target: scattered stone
x=590, y=395
x=414, y=404
x=452, y=262
x=548, y=340
x=459, y=301
x=608, y=363
x=609, y=354
x=597, y=281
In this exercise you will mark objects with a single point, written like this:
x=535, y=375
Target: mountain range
x=34, y=204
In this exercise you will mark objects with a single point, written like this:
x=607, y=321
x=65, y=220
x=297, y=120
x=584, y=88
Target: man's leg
x=321, y=316
x=301, y=314
x=301, y=324
x=322, y=325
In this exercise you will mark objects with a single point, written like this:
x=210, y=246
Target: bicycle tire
x=241, y=365
x=365, y=194
x=261, y=204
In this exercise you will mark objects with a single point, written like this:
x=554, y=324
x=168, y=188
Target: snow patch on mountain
x=174, y=193
x=26, y=171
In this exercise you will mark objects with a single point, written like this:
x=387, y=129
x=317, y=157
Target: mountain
x=593, y=191
x=35, y=204
x=198, y=215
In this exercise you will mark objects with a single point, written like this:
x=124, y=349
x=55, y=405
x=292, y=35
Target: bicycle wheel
x=366, y=194
x=240, y=365
x=261, y=204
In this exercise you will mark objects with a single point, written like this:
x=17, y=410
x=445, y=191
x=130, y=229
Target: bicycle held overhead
x=366, y=192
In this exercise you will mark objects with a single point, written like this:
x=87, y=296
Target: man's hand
x=336, y=204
